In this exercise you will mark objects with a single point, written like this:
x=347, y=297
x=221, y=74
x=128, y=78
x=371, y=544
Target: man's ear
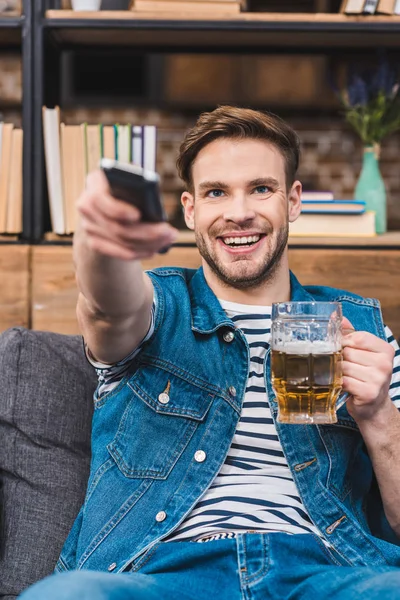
x=187, y=201
x=295, y=201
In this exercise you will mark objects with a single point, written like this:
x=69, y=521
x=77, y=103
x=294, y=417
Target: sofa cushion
x=46, y=390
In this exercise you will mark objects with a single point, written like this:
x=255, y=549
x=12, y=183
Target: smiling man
x=195, y=489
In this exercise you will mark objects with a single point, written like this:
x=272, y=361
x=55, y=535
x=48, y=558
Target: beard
x=244, y=278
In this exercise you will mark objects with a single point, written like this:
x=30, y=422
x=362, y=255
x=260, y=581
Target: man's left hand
x=367, y=373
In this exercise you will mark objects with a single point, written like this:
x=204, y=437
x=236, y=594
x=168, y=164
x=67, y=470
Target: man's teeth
x=242, y=241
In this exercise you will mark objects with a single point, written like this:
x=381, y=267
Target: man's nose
x=239, y=209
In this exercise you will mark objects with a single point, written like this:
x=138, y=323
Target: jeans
x=252, y=566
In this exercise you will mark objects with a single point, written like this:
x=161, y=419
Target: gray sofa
x=45, y=419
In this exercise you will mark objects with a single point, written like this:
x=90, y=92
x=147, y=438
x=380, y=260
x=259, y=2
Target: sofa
x=46, y=395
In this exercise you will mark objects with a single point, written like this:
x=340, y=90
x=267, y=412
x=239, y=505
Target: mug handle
x=342, y=400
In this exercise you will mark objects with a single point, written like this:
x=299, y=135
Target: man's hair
x=235, y=123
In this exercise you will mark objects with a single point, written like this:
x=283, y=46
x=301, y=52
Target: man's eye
x=262, y=189
x=215, y=193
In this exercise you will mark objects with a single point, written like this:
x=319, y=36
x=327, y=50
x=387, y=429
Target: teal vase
x=371, y=187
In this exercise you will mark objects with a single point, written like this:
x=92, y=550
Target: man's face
x=240, y=209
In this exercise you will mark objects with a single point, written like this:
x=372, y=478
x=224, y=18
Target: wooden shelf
x=287, y=30
x=129, y=15
x=390, y=240
x=10, y=30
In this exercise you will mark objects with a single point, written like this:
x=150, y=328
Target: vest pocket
x=158, y=423
x=343, y=446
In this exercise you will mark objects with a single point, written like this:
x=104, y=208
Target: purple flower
x=357, y=91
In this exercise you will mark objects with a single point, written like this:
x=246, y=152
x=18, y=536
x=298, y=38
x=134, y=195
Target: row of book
x=370, y=7
x=323, y=215
x=73, y=151
x=206, y=7
x=11, y=151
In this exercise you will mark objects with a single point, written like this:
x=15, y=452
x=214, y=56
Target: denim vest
x=144, y=478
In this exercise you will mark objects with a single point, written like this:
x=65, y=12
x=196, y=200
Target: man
x=195, y=489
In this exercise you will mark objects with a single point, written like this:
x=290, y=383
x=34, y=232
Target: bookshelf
x=16, y=34
x=60, y=30
x=11, y=27
x=247, y=30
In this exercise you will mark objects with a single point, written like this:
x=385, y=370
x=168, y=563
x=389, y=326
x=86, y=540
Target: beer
x=307, y=383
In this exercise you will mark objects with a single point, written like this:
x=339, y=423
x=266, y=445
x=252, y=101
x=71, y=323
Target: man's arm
x=367, y=373
x=382, y=438
x=115, y=299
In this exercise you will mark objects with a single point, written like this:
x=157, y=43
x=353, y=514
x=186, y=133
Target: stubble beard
x=245, y=280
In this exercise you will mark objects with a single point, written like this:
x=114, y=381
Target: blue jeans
x=273, y=566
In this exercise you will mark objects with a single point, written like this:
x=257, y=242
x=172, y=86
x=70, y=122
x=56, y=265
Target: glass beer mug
x=306, y=361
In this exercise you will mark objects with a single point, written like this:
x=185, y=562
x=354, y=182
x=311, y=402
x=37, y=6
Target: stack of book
x=73, y=151
x=11, y=149
x=322, y=215
x=205, y=8
x=370, y=7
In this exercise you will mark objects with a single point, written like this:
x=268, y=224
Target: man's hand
x=367, y=372
x=113, y=227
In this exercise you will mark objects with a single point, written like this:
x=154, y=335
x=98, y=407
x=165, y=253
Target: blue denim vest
x=144, y=478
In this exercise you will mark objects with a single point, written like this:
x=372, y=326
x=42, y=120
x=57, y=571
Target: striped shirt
x=254, y=490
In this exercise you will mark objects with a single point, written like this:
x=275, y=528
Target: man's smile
x=241, y=243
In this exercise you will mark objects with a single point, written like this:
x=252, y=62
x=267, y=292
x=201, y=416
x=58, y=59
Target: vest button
x=163, y=398
x=232, y=390
x=228, y=336
x=112, y=567
x=200, y=456
x=161, y=516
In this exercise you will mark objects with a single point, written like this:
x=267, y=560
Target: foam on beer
x=305, y=347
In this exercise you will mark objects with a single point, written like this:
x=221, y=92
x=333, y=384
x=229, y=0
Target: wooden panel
x=179, y=257
x=197, y=78
x=14, y=291
x=54, y=291
x=371, y=273
x=304, y=82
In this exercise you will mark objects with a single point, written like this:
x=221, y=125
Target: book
x=149, y=147
x=370, y=7
x=349, y=207
x=93, y=147
x=352, y=7
x=116, y=141
x=52, y=150
x=74, y=170
x=71, y=151
x=317, y=195
x=179, y=6
x=386, y=7
x=5, y=165
x=137, y=145
x=334, y=225
x=14, y=200
x=108, y=141
x=124, y=143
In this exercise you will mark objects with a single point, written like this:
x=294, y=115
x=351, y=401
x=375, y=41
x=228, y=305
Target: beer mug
x=306, y=361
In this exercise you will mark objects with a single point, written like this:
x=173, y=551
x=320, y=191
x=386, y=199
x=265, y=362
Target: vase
x=371, y=187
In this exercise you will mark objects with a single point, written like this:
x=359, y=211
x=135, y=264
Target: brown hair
x=238, y=123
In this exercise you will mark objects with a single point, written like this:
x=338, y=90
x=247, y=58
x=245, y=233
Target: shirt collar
x=207, y=313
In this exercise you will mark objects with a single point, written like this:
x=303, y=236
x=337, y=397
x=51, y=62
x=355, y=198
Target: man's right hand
x=114, y=228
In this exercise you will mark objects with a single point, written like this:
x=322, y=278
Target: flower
x=371, y=101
